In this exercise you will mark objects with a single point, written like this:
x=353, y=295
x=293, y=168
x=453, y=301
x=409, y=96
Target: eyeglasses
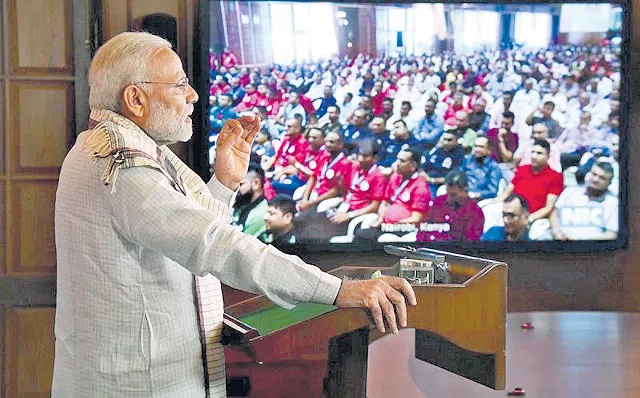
x=180, y=85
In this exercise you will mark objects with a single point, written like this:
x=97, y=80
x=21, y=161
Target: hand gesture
x=303, y=205
x=339, y=217
x=234, y=148
x=384, y=297
x=292, y=160
x=376, y=224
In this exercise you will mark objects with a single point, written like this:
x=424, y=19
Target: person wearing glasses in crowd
x=515, y=214
x=143, y=244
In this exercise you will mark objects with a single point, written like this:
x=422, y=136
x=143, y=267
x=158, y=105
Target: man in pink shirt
x=250, y=99
x=294, y=144
x=332, y=178
x=453, y=216
x=407, y=199
x=297, y=173
x=367, y=188
x=366, y=191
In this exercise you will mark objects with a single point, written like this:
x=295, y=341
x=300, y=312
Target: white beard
x=166, y=126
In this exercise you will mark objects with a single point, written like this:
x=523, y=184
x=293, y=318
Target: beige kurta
x=126, y=324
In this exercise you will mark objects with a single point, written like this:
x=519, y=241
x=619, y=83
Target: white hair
x=121, y=61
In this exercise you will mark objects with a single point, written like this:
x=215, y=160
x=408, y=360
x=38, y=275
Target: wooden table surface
x=567, y=354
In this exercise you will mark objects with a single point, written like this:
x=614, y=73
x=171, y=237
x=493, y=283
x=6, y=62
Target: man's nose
x=192, y=96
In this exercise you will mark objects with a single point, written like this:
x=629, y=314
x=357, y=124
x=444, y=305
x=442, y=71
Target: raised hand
x=233, y=150
x=384, y=298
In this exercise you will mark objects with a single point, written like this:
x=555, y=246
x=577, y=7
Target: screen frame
x=201, y=164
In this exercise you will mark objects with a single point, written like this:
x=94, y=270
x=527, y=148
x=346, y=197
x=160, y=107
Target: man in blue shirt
x=482, y=171
x=442, y=159
x=220, y=113
x=236, y=91
x=402, y=140
x=430, y=127
x=356, y=130
x=515, y=212
x=378, y=130
x=327, y=101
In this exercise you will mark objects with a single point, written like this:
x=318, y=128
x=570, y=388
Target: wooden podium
x=318, y=351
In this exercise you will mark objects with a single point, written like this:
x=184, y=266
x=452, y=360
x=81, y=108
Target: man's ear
x=288, y=218
x=134, y=101
x=255, y=184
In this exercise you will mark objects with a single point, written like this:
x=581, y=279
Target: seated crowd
x=497, y=146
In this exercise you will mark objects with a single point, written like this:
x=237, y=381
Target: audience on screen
x=533, y=124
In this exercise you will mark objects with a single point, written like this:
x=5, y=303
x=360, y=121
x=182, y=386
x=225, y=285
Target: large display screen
x=494, y=125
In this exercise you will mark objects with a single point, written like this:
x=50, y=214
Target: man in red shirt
x=366, y=191
x=367, y=188
x=272, y=103
x=503, y=141
x=377, y=97
x=407, y=199
x=293, y=144
x=331, y=179
x=250, y=99
x=228, y=58
x=297, y=173
x=537, y=182
x=453, y=216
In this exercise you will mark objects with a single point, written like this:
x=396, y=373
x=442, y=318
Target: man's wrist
x=232, y=185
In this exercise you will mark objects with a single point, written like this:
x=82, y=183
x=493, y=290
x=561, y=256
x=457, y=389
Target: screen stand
x=347, y=368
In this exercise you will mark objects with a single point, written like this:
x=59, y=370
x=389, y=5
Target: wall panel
x=41, y=125
x=114, y=18
x=3, y=246
x=29, y=345
x=176, y=8
x=2, y=126
x=40, y=45
x=32, y=243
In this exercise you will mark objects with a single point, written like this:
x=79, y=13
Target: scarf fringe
x=102, y=142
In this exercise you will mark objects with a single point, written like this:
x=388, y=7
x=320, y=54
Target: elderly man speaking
x=143, y=243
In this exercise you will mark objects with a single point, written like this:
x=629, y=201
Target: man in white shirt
x=587, y=212
x=526, y=99
x=143, y=243
x=555, y=96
